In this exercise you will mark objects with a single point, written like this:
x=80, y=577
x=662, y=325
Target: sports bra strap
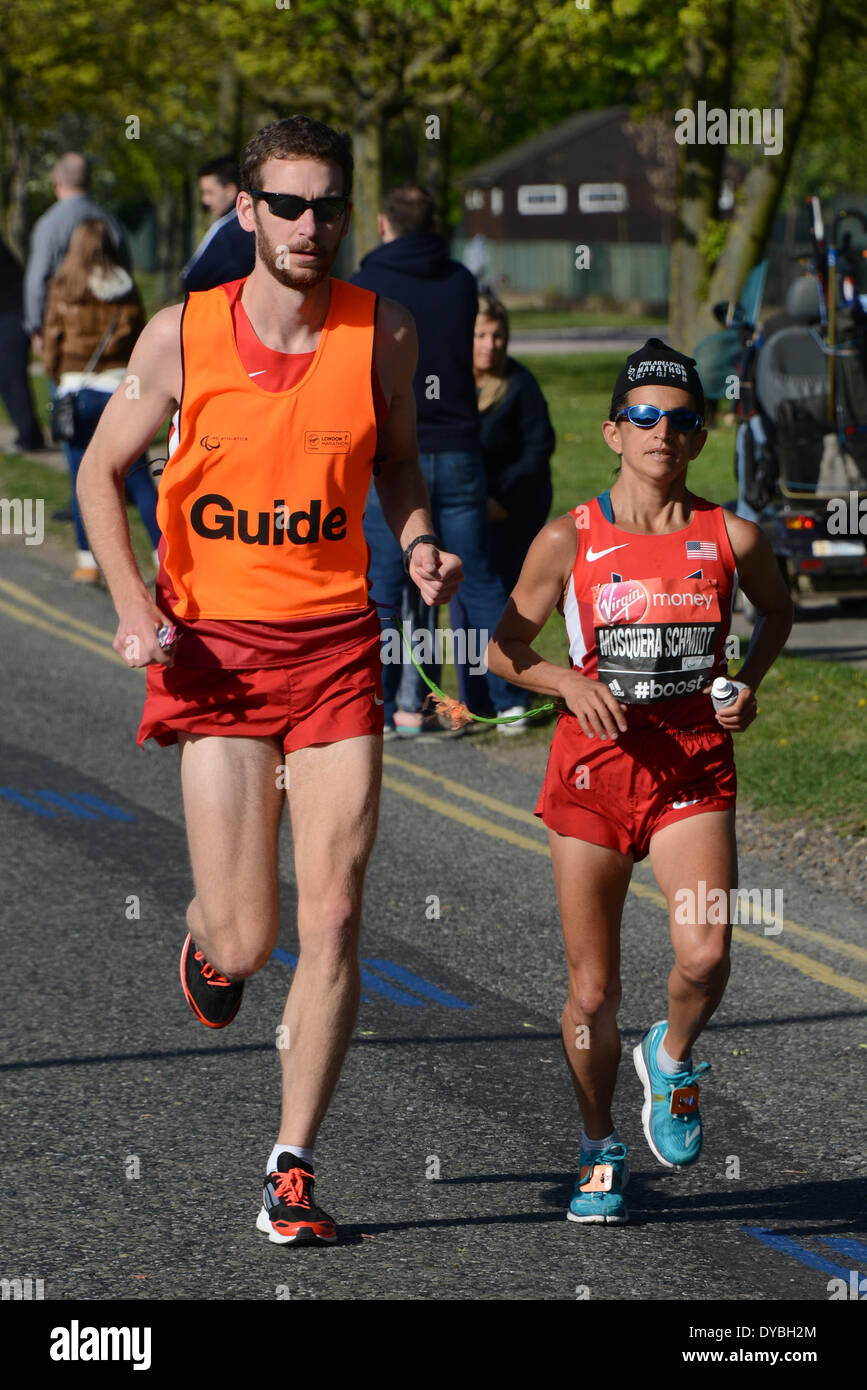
x=604, y=500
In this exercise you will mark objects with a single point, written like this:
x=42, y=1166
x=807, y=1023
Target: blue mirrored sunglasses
x=646, y=416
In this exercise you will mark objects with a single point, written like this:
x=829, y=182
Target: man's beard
x=277, y=259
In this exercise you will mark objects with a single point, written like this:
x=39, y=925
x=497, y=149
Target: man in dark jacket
x=14, y=356
x=413, y=267
x=226, y=251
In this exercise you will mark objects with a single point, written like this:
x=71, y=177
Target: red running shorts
x=324, y=697
x=619, y=792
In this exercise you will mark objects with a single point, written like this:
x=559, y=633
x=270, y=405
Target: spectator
x=49, y=244
x=52, y=232
x=92, y=297
x=517, y=443
x=14, y=357
x=226, y=251
x=412, y=266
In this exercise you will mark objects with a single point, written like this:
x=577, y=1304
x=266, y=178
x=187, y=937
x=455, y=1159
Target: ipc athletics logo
x=622, y=603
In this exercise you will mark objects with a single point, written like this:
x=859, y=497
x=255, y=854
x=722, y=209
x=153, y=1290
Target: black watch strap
x=419, y=540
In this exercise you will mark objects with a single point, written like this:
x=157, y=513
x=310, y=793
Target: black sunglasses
x=290, y=206
x=646, y=416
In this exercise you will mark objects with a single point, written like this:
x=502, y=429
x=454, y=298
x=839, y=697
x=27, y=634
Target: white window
x=540, y=198
x=474, y=198
x=602, y=197
x=496, y=201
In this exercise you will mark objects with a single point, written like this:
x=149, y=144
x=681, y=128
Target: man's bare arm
x=149, y=392
x=400, y=482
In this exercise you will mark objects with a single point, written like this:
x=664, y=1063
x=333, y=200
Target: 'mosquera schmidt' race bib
x=656, y=638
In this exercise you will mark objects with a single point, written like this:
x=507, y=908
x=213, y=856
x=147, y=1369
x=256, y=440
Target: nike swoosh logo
x=262, y=373
x=377, y=701
x=598, y=554
x=679, y=805
x=693, y=1134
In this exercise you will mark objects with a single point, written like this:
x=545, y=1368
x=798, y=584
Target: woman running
x=641, y=763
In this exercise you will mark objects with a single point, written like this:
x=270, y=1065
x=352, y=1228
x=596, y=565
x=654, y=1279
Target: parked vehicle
x=801, y=442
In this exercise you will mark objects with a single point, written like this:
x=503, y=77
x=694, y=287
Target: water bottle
x=724, y=692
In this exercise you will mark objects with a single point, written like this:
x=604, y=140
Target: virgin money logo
x=622, y=603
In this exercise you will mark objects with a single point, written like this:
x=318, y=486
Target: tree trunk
x=708, y=72
x=169, y=251
x=367, y=191
x=765, y=182
x=230, y=102
x=16, y=178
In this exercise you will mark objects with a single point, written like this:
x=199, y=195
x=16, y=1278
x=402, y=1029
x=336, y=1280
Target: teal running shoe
x=669, y=1115
x=598, y=1194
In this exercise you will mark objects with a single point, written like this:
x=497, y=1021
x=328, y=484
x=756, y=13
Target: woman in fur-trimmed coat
x=90, y=295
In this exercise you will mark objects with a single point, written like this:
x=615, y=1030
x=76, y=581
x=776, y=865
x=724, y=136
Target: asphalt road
x=448, y=1155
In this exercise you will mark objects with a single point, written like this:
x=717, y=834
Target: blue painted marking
x=65, y=804
x=790, y=1247
x=373, y=982
x=369, y=981
x=855, y=1249
x=78, y=804
x=415, y=982
x=285, y=956
x=112, y=812
x=12, y=795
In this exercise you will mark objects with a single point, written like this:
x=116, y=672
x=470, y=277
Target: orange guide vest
x=262, y=502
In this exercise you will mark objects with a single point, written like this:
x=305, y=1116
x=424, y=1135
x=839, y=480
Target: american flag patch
x=702, y=550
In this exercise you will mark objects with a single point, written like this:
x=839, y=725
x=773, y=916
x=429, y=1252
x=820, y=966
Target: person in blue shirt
x=412, y=266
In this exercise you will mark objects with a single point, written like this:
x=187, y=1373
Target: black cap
x=657, y=364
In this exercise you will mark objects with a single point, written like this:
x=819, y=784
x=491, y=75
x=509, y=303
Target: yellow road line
x=468, y=793
x=502, y=832
x=805, y=964
x=33, y=620
x=65, y=619
x=491, y=803
x=823, y=938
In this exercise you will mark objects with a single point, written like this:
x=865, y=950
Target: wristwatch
x=420, y=540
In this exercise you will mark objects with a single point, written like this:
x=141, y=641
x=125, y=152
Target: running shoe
x=517, y=725
x=598, y=1195
x=288, y=1215
x=213, y=999
x=669, y=1115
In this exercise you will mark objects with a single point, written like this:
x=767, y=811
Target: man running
x=640, y=762
x=289, y=384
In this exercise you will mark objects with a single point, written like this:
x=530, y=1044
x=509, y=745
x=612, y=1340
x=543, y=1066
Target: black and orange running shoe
x=288, y=1215
x=213, y=999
